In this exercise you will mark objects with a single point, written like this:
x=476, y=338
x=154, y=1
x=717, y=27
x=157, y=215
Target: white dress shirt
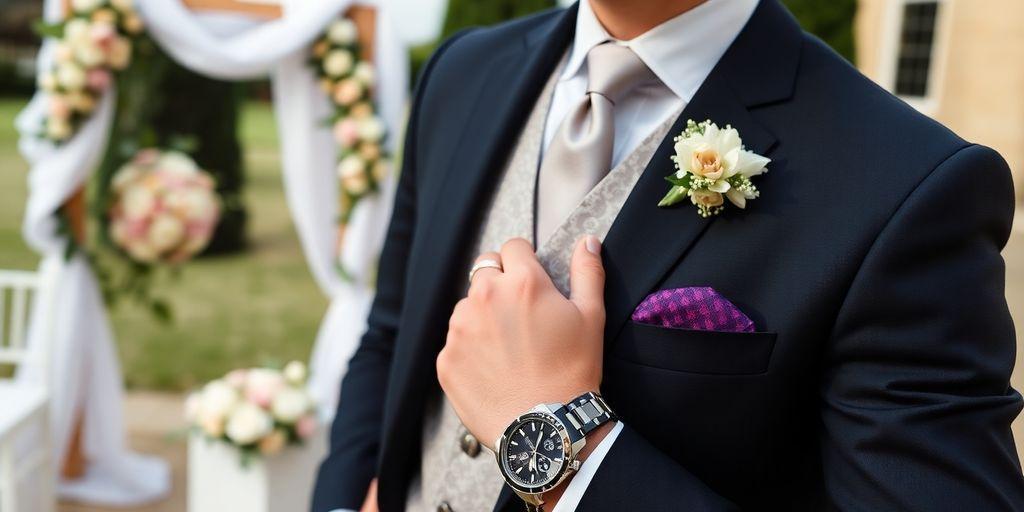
x=681, y=52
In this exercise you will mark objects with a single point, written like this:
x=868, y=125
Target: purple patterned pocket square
x=698, y=308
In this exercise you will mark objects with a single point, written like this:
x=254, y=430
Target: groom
x=841, y=342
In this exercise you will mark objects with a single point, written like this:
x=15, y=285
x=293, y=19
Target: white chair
x=24, y=429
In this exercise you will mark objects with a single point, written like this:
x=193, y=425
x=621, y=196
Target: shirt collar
x=681, y=52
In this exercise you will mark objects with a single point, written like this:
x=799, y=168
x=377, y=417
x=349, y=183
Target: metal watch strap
x=587, y=412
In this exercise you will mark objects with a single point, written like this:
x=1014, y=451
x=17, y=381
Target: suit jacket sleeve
x=915, y=400
x=351, y=464
x=917, y=404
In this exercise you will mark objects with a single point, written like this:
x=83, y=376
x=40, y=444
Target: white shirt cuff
x=579, y=483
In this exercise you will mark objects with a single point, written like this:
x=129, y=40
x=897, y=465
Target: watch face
x=534, y=452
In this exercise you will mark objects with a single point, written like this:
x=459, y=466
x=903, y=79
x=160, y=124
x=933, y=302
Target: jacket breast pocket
x=682, y=350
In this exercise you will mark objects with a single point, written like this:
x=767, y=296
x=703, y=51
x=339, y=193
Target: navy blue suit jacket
x=878, y=378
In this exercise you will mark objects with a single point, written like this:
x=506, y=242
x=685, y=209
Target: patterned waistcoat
x=456, y=473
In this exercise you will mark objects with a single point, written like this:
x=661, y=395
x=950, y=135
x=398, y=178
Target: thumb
x=586, y=277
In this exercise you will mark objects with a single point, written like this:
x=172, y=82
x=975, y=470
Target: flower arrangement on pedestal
x=94, y=42
x=348, y=80
x=164, y=208
x=258, y=410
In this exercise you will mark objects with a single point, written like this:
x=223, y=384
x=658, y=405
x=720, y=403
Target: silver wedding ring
x=482, y=264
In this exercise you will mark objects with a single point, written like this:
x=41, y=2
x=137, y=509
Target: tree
x=469, y=13
x=831, y=20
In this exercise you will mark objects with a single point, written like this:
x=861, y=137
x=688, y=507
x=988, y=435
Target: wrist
x=593, y=440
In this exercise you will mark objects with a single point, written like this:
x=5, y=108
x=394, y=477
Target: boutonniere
x=712, y=166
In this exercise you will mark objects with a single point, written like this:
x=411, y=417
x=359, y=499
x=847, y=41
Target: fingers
x=487, y=265
x=586, y=277
x=517, y=255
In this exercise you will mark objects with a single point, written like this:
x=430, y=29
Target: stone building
x=958, y=61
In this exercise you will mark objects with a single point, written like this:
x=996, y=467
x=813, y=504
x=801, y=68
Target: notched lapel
x=646, y=241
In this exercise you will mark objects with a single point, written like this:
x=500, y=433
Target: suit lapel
x=645, y=241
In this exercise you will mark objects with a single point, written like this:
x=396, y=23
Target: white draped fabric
x=230, y=47
x=84, y=370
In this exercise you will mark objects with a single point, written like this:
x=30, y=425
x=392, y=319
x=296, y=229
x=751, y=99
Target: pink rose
x=98, y=79
x=346, y=132
x=59, y=107
x=102, y=33
x=306, y=426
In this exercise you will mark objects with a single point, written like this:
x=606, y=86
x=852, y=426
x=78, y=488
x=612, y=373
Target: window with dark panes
x=917, y=36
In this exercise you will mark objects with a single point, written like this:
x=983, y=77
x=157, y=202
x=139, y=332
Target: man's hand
x=370, y=503
x=515, y=341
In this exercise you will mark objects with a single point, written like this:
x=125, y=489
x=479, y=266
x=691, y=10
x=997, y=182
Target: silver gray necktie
x=580, y=154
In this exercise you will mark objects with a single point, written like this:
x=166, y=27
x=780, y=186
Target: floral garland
x=349, y=80
x=94, y=42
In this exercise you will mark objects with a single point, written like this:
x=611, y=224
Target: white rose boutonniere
x=712, y=166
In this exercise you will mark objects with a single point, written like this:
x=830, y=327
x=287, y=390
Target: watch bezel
x=502, y=451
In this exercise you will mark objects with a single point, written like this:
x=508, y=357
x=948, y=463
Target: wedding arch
x=228, y=40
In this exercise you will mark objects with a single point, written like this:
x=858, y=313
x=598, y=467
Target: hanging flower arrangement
x=348, y=80
x=93, y=43
x=164, y=208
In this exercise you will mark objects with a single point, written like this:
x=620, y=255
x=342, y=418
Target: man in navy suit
x=876, y=375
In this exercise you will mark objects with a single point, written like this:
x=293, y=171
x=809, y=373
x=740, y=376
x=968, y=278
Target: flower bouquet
x=164, y=207
x=257, y=410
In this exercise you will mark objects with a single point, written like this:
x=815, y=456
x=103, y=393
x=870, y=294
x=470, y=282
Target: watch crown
x=574, y=465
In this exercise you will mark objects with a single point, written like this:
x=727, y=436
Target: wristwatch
x=538, y=450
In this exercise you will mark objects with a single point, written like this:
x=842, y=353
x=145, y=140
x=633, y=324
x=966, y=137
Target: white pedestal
x=217, y=482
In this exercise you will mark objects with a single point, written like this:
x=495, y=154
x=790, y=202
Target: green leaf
x=674, y=195
x=161, y=310
x=45, y=29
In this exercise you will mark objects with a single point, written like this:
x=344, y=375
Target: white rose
x=342, y=31
x=247, y=424
x=212, y=425
x=47, y=82
x=85, y=6
x=217, y=399
x=337, y=63
x=289, y=405
x=123, y=5
x=166, y=232
x=124, y=177
x=138, y=202
x=177, y=163
x=133, y=24
x=295, y=372
x=62, y=52
x=57, y=128
x=352, y=171
x=81, y=101
x=371, y=129
x=70, y=76
x=120, y=53
x=142, y=250
x=194, y=204
x=89, y=54
x=364, y=73
x=76, y=31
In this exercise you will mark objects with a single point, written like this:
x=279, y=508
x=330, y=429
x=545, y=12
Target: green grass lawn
x=230, y=311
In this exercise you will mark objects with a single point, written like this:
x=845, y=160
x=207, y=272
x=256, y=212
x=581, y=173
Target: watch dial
x=533, y=455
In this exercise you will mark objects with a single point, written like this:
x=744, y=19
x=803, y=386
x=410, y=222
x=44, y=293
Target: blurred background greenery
x=251, y=300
